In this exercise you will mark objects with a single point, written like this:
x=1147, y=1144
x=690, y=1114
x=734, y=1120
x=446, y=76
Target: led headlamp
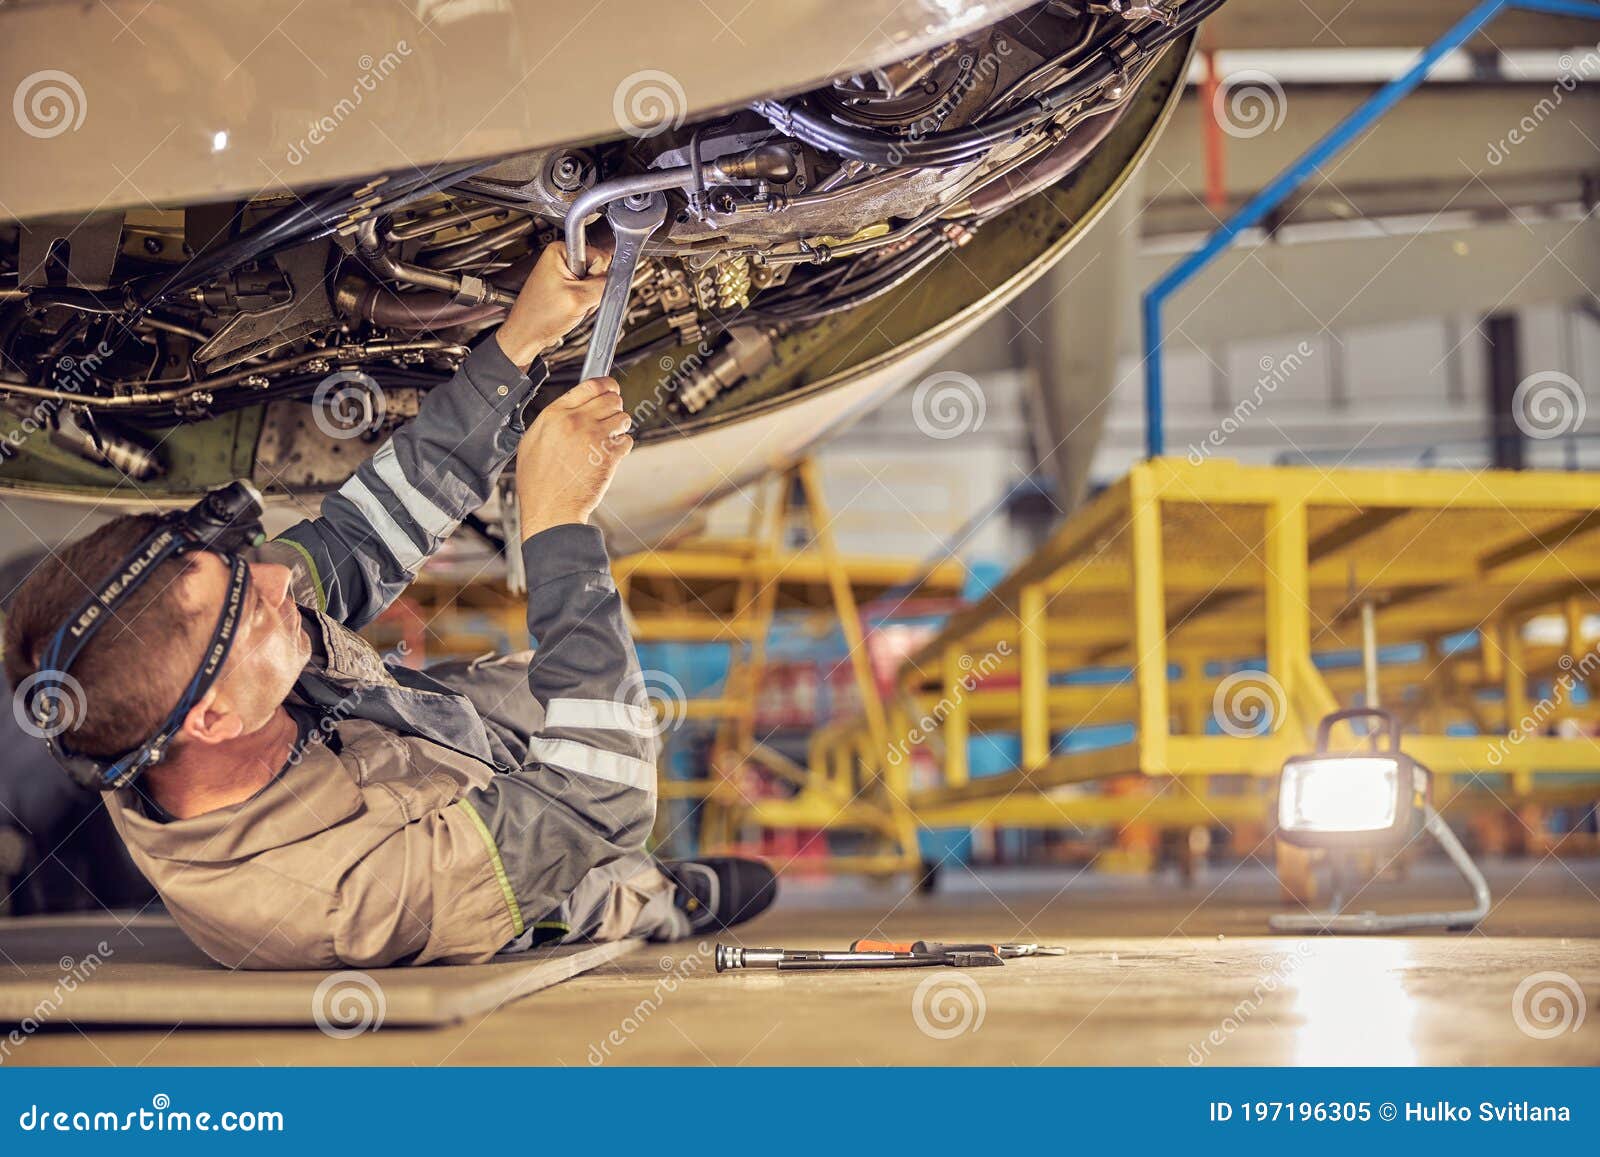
x=226, y=522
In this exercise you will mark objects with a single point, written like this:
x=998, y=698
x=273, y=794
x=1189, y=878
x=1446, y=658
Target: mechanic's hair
x=135, y=667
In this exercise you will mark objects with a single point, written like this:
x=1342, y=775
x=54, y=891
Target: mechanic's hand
x=567, y=458
x=552, y=302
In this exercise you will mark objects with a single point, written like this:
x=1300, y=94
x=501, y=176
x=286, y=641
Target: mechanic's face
x=271, y=646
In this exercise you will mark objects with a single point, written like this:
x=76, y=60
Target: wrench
x=632, y=220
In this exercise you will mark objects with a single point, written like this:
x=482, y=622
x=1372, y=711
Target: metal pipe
x=1369, y=650
x=424, y=226
x=766, y=162
x=466, y=289
x=1370, y=923
x=426, y=310
x=342, y=354
x=465, y=250
x=107, y=448
x=1314, y=160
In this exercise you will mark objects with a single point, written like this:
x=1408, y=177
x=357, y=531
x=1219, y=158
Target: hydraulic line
x=939, y=150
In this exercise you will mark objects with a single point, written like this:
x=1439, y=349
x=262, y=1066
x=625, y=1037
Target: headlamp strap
x=216, y=654
x=74, y=635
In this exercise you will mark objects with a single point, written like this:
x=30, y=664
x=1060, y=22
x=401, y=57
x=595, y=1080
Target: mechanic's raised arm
x=376, y=531
x=587, y=793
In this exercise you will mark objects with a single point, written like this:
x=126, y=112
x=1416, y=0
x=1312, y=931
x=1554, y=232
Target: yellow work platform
x=1190, y=579
x=703, y=590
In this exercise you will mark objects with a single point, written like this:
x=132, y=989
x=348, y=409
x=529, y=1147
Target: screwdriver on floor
x=1007, y=951
x=730, y=956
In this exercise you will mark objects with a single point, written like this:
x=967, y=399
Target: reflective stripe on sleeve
x=428, y=516
x=388, y=530
x=608, y=765
x=602, y=714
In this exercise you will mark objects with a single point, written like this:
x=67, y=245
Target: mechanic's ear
x=212, y=721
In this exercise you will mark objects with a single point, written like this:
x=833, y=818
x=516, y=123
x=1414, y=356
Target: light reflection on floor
x=1351, y=1000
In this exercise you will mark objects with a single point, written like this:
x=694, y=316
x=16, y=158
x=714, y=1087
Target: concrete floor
x=1157, y=974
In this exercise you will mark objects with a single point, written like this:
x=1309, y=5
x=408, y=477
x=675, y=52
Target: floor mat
x=61, y=970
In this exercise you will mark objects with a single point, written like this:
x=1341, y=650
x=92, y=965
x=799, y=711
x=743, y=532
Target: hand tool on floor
x=731, y=957
x=1006, y=951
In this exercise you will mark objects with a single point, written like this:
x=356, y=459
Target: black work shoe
x=721, y=891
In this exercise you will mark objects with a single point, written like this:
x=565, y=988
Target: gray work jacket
x=427, y=829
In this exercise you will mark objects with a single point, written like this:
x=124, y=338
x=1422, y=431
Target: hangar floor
x=1157, y=973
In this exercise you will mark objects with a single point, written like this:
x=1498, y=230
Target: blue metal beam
x=1335, y=142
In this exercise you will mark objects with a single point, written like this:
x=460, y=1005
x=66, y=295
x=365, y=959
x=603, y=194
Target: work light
x=1375, y=799
x=1338, y=799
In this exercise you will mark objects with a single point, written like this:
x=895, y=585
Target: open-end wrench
x=633, y=219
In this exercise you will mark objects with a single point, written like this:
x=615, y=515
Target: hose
x=415, y=310
x=941, y=150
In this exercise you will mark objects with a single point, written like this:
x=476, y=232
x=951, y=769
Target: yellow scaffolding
x=1188, y=576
